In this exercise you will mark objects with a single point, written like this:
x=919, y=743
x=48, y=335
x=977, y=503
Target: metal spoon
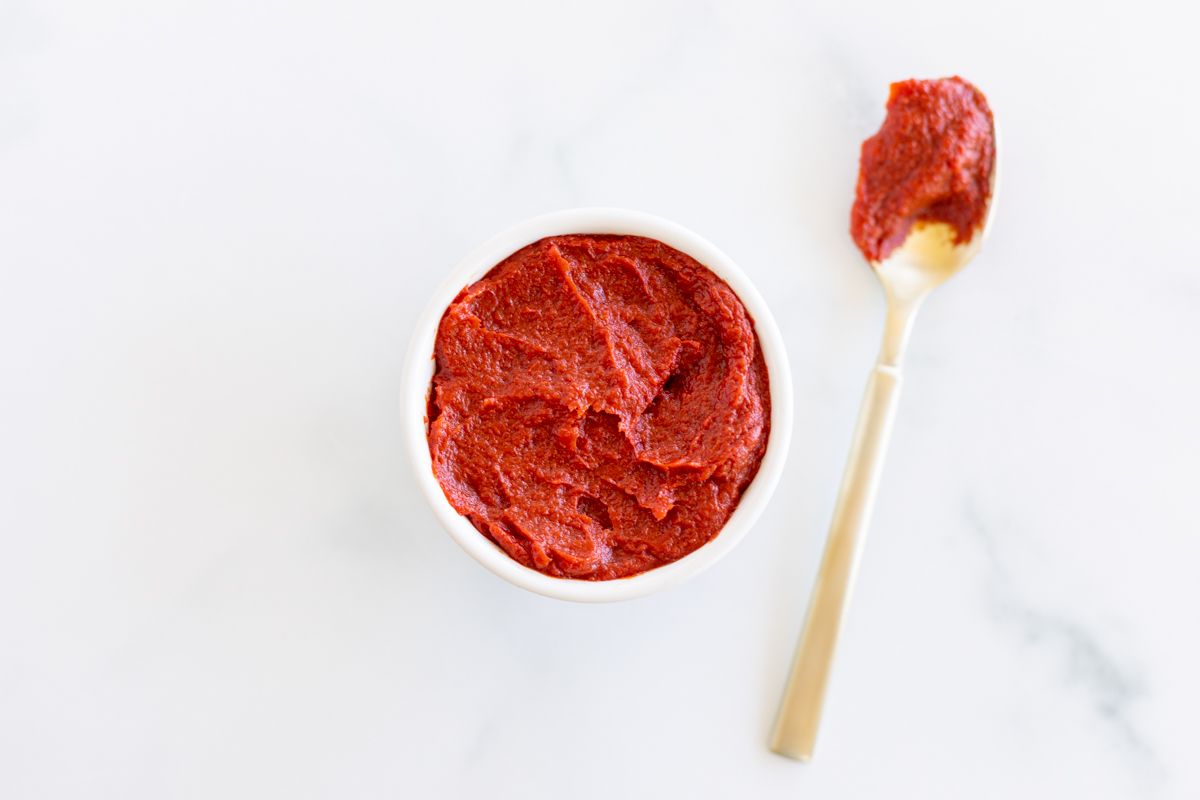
x=927, y=259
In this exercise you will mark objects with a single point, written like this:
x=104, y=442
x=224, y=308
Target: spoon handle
x=795, y=729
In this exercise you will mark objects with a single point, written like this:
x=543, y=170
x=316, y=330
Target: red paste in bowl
x=598, y=406
x=931, y=161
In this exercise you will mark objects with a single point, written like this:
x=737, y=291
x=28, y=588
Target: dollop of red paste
x=931, y=161
x=598, y=406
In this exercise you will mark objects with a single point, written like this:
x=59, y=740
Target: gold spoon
x=927, y=259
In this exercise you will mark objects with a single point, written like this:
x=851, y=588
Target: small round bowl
x=419, y=366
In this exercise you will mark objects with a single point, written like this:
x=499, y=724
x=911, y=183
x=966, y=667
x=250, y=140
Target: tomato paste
x=931, y=161
x=598, y=406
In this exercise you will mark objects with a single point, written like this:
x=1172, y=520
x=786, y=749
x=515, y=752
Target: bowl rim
x=418, y=370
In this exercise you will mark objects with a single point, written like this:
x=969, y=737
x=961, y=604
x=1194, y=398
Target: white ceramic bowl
x=418, y=371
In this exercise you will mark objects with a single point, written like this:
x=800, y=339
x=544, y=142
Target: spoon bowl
x=928, y=257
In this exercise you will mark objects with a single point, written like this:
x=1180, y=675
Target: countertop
x=218, y=222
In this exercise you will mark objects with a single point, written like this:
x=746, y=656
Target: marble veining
x=1084, y=661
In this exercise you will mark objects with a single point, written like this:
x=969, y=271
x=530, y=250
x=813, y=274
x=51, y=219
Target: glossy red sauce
x=931, y=161
x=599, y=405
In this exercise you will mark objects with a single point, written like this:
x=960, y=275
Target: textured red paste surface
x=931, y=161
x=599, y=405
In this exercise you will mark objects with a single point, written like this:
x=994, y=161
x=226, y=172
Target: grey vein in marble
x=1114, y=687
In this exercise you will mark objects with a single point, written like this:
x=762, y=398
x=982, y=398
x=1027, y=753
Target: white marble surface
x=218, y=222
